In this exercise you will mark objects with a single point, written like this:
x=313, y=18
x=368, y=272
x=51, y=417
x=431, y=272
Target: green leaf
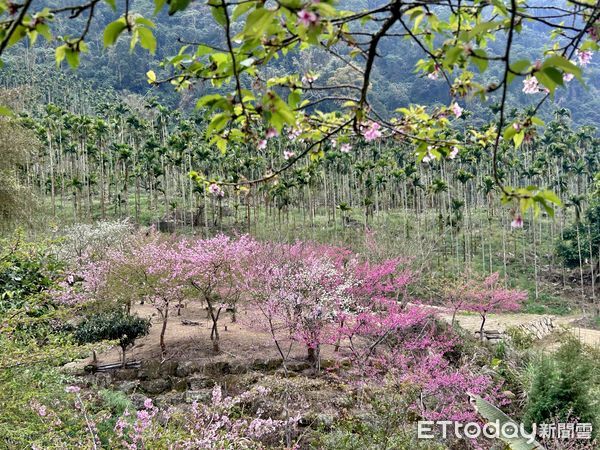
x=60, y=54
x=518, y=138
x=218, y=122
x=178, y=5
x=219, y=14
x=537, y=121
x=481, y=64
x=151, y=76
x=145, y=22
x=44, y=30
x=258, y=21
x=554, y=74
x=493, y=414
x=72, y=57
x=564, y=64
x=112, y=4
x=509, y=132
x=159, y=5
x=113, y=30
x=5, y=111
x=518, y=67
x=452, y=55
x=545, y=80
x=241, y=9
x=147, y=39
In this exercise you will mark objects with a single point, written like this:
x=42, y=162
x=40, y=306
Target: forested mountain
x=299, y=224
x=394, y=81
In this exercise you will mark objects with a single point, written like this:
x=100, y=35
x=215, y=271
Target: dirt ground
x=241, y=341
x=244, y=341
x=502, y=321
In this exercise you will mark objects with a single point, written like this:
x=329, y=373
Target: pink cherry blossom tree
x=489, y=297
x=213, y=268
x=147, y=269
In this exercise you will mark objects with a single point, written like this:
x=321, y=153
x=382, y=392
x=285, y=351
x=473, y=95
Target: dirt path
x=501, y=322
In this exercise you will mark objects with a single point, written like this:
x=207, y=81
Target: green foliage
x=34, y=343
x=381, y=425
x=16, y=144
x=26, y=270
x=565, y=385
x=581, y=241
x=112, y=325
x=20, y=423
x=520, y=339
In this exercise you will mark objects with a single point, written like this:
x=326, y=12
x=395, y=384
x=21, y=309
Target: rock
x=128, y=387
x=217, y=368
x=200, y=396
x=281, y=373
x=101, y=379
x=170, y=399
x=154, y=387
x=198, y=382
x=187, y=368
x=238, y=368
x=324, y=420
x=74, y=368
x=192, y=323
x=179, y=384
x=137, y=400
x=508, y=394
x=297, y=366
x=327, y=363
x=265, y=365
x=166, y=226
x=152, y=369
x=125, y=374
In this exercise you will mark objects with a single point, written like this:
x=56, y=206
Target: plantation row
x=139, y=160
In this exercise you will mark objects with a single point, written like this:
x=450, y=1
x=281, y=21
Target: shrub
x=565, y=386
x=112, y=325
x=26, y=269
x=580, y=238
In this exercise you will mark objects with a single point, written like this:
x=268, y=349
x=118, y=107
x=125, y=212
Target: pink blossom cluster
x=371, y=131
x=305, y=293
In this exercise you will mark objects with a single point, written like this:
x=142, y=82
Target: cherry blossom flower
x=584, y=57
x=517, y=126
x=307, y=18
x=148, y=403
x=429, y=156
x=294, y=133
x=531, y=85
x=216, y=190
x=345, y=148
x=517, y=222
x=453, y=153
x=288, y=154
x=456, y=109
x=568, y=77
x=271, y=133
x=72, y=389
x=372, y=132
x=435, y=74
x=262, y=144
x=309, y=78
